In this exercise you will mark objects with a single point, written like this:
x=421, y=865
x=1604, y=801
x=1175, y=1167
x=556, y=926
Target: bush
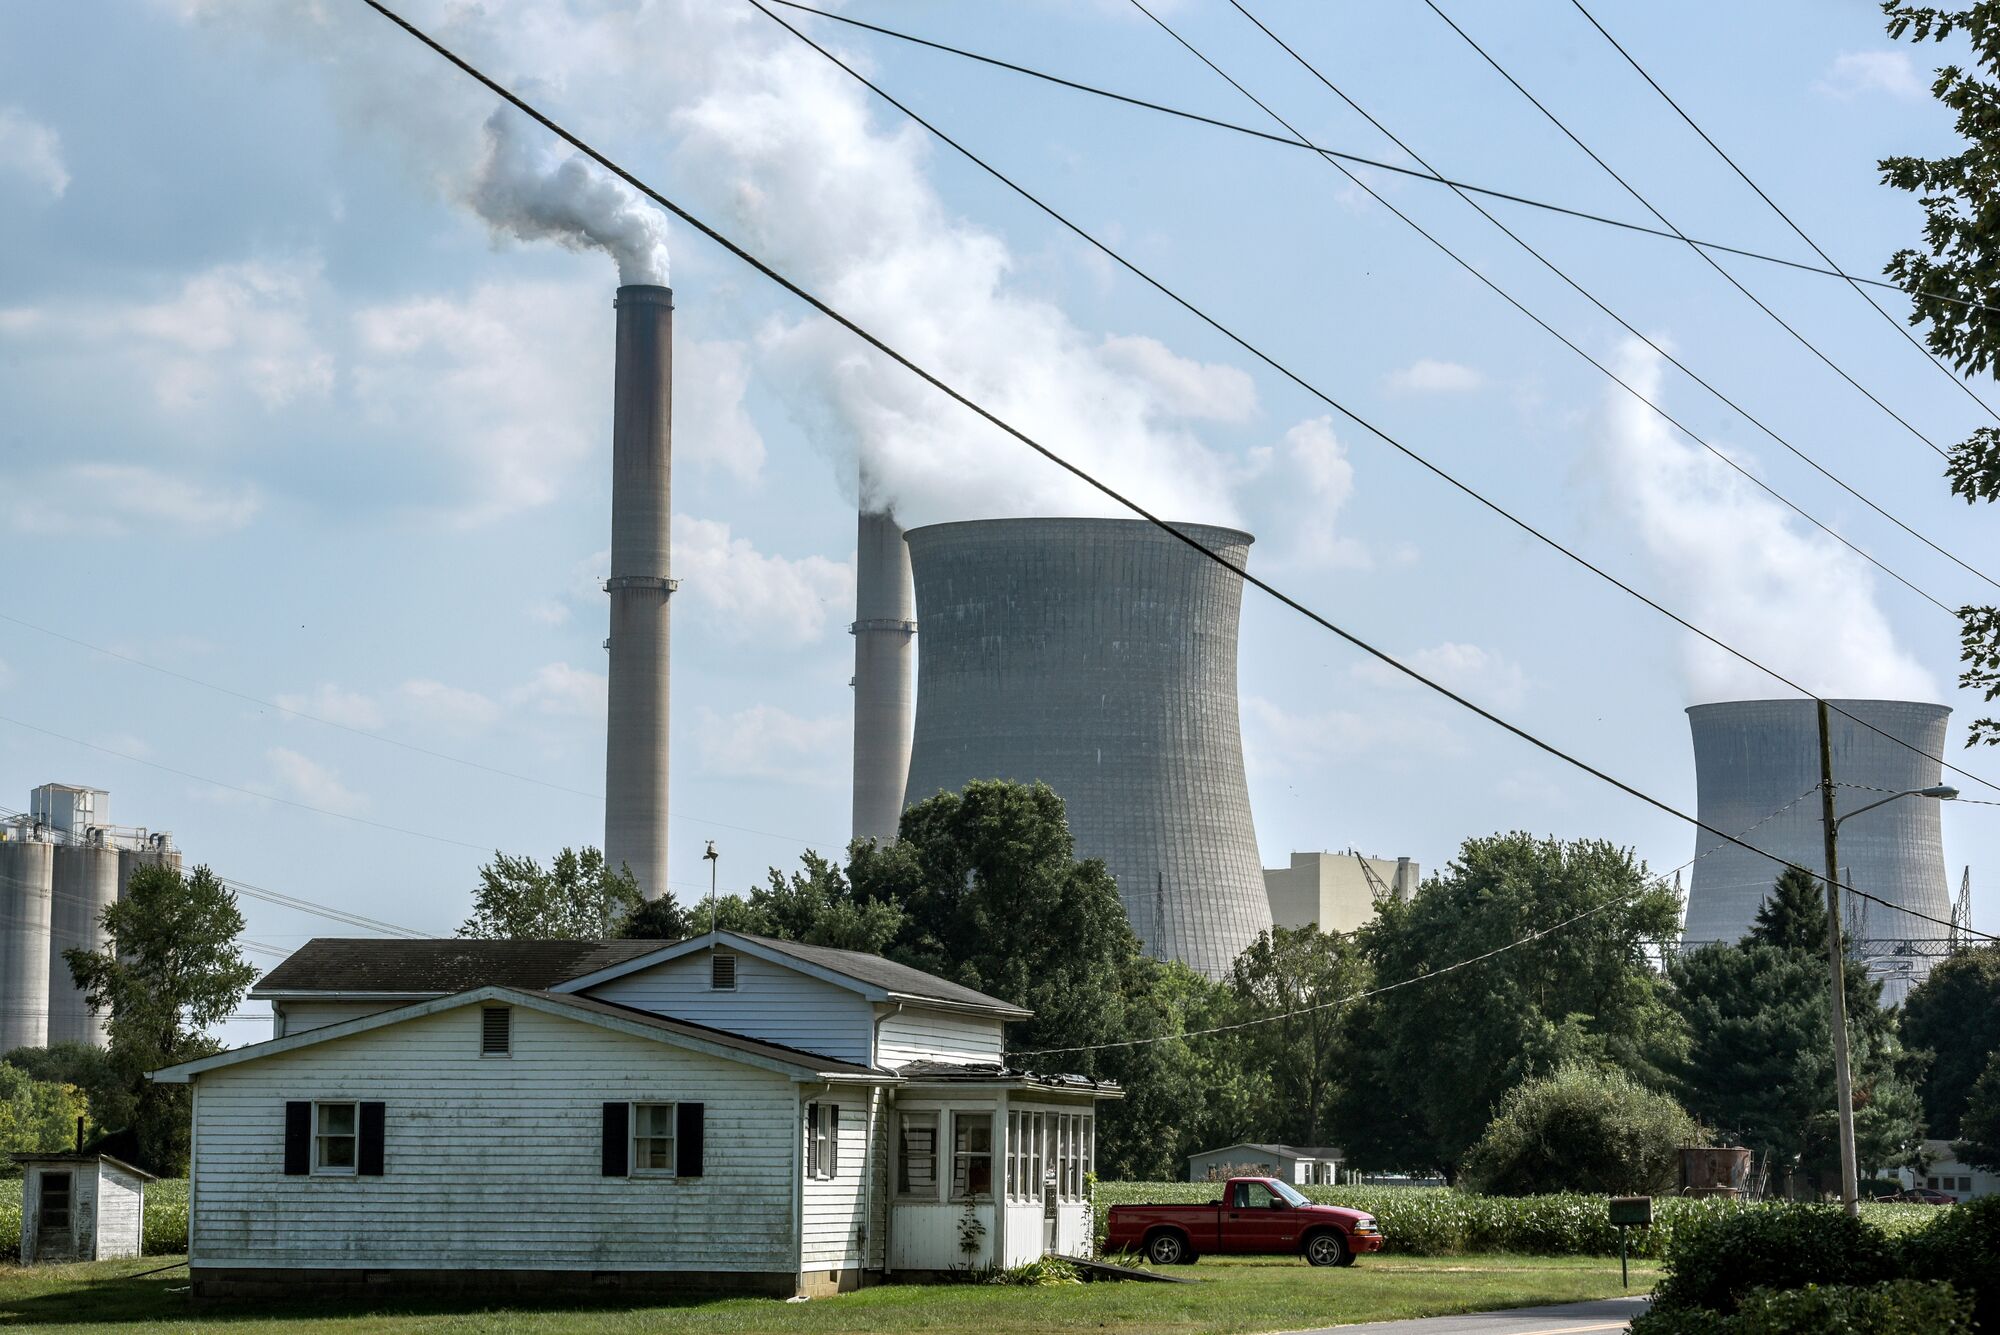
x=1716, y=1264
x=1898, y=1307
x=1581, y=1129
x=1961, y=1245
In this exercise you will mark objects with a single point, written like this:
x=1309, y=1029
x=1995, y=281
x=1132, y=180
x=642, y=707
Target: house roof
x=871, y=975
x=987, y=1073
x=1279, y=1151
x=589, y=1010
x=80, y=1156
x=390, y=967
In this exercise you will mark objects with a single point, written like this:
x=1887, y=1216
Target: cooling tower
x=635, y=751
x=885, y=631
x=1099, y=656
x=1754, y=758
x=27, y=875
x=85, y=884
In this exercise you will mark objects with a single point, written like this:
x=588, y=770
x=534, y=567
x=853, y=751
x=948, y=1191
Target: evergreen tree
x=1952, y=1019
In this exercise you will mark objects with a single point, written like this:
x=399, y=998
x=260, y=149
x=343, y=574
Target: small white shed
x=81, y=1207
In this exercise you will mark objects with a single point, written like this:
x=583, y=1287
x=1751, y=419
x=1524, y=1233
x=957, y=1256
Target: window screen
x=652, y=1137
x=335, y=1127
x=916, y=1160
x=971, y=1155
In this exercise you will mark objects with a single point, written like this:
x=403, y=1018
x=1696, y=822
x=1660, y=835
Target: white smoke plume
x=772, y=143
x=521, y=192
x=1743, y=567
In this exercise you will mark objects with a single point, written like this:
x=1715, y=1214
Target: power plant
x=1757, y=775
x=62, y=863
x=1336, y=892
x=641, y=588
x=885, y=632
x=1099, y=657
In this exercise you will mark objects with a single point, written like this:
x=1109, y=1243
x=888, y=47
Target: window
x=823, y=1140
x=653, y=1138
x=54, y=1209
x=722, y=972
x=1089, y=1146
x=495, y=1031
x=1013, y=1154
x=1253, y=1196
x=916, y=1160
x=334, y=1137
x=971, y=1155
x=1037, y=1153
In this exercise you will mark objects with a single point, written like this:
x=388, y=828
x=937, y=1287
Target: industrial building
x=1336, y=892
x=62, y=863
x=1757, y=775
x=1099, y=657
x=885, y=697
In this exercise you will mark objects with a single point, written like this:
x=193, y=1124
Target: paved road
x=1610, y=1314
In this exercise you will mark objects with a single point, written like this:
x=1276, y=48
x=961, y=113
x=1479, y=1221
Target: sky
x=305, y=405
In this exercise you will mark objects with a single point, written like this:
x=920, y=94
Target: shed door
x=55, y=1238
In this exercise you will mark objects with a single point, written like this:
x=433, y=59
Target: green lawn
x=1236, y=1294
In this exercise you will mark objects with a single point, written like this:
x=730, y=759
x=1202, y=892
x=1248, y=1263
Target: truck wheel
x=1168, y=1248
x=1328, y=1249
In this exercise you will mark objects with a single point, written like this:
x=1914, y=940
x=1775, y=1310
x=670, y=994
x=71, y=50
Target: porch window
x=1089, y=1149
x=1013, y=1154
x=822, y=1140
x=54, y=1210
x=1037, y=1153
x=334, y=1135
x=916, y=1158
x=653, y=1138
x=971, y=1155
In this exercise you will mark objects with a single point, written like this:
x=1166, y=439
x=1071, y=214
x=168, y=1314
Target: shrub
x=1898, y=1307
x=1581, y=1129
x=1038, y=1274
x=1714, y=1265
x=1961, y=1245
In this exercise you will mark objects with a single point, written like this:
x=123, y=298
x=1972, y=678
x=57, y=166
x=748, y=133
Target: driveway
x=1607, y=1315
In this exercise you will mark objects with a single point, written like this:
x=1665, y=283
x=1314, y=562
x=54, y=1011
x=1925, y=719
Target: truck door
x=1258, y=1221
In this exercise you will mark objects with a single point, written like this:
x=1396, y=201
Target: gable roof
x=390, y=967
x=624, y=1019
x=871, y=975
x=1278, y=1151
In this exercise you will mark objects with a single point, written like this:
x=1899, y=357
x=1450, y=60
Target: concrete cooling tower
x=1754, y=757
x=1099, y=656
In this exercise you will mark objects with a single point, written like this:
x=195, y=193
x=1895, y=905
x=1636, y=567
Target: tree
x=1980, y=1126
x=661, y=919
x=1581, y=1129
x=1955, y=287
x=1953, y=1019
x=86, y=1066
x=39, y=1115
x=577, y=898
x=1286, y=978
x=172, y=969
x=1431, y=1063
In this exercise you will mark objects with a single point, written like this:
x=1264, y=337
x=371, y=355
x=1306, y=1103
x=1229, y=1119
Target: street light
x=1850, y=1185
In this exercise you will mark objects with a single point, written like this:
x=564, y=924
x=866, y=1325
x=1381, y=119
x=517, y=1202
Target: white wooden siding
x=299, y=1016
x=77, y=1241
x=494, y=1163
x=120, y=1219
x=776, y=1004
x=917, y=1034
x=836, y=1208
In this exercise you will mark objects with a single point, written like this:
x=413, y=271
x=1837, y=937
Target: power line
x=1289, y=141
x=1647, y=204
x=987, y=415
x=1241, y=342
x=1587, y=295
x=1894, y=323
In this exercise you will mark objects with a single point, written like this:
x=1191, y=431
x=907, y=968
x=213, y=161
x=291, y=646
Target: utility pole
x=1843, y=1079
x=713, y=859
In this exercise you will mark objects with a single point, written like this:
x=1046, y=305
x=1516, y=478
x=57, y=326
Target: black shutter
x=368, y=1152
x=617, y=1139
x=298, y=1137
x=688, y=1122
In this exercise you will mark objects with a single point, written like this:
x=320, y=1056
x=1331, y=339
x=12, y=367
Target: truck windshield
x=1292, y=1198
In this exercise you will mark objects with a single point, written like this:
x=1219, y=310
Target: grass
x=1234, y=1294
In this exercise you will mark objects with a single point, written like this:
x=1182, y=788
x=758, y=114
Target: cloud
x=1428, y=376
x=1742, y=567
x=307, y=781
x=712, y=428
x=1318, y=461
x=561, y=691
x=1289, y=743
x=767, y=743
x=1190, y=388
x=1854, y=73
x=31, y=153
x=334, y=704
x=111, y=500
x=756, y=597
x=1480, y=675
x=451, y=707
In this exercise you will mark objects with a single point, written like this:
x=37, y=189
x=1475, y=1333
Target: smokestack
x=885, y=629
x=635, y=750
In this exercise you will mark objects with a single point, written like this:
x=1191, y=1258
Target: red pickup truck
x=1254, y=1216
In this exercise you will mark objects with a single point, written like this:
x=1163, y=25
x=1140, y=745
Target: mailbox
x=1632, y=1211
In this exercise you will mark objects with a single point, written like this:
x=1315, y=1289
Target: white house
x=1948, y=1174
x=1308, y=1166
x=727, y=1112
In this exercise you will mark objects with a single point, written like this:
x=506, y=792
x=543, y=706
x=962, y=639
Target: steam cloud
x=1745, y=568
x=520, y=193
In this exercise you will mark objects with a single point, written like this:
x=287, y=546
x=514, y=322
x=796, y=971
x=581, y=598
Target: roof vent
x=495, y=1031
x=722, y=972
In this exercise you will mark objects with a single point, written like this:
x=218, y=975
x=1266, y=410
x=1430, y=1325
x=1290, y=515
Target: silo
x=1099, y=656
x=158, y=850
x=27, y=874
x=635, y=751
x=885, y=632
x=1754, y=758
x=85, y=884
